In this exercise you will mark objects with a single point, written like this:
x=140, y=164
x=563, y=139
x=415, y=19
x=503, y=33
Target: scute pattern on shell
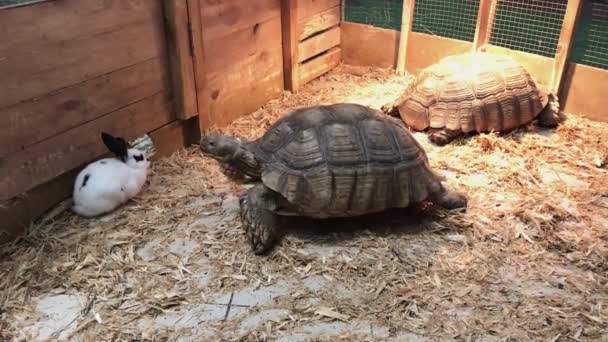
x=344, y=158
x=473, y=92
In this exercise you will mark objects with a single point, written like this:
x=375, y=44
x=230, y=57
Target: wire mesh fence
x=590, y=45
x=379, y=13
x=528, y=25
x=447, y=18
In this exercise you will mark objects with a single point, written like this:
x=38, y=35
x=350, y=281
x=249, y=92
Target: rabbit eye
x=139, y=157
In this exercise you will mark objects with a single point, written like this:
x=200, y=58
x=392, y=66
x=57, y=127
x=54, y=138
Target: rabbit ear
x=118, y=146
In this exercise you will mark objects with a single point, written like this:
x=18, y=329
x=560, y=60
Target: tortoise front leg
x=444, y=136
x=549, y=116
x=448, y=198
x=232, y=172
x=259, y=222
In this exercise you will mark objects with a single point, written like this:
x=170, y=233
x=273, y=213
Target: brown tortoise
x=473, y=92
x=339, y=160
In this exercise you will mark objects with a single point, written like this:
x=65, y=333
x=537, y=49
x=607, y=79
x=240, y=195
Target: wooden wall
x=311, y=40
x=71, y=69
x=239, y=57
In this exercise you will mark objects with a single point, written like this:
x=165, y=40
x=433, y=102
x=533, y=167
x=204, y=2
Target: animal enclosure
x=526, y=261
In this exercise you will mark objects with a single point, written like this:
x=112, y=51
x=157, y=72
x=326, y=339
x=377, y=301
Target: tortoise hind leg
x=448, y=198
x=259, y=221
x=444, y=136
x=550, y=115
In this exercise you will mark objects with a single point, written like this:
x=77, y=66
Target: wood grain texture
x=407, y=18
x=180, y=57
x=200, y=67
x=222, y=18
x=73, y=41
x=318, y=22
x=564, y=44
x=318, y=44
x=320, y=65
x=357, y=38
x=585, y=92
x=289, y=23
x=55, y=156
x=32, y=121
x=309, y=8
x=174, y=136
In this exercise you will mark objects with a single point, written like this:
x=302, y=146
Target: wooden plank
x=32, y=121
x=425, y=50
x=200, y=67
x=357, y=38
x=584, y=90
x=407, y=18
x=318, y=22
x=73, y=41
x=221, y=18
x=180, y=57
x=55, y=156
x=538, y=66
x=485, y=21
x=318, y=44
x=320, y=65
x=224, y=52
x=244, y=86
x=174, y=136
x=309, y=8
x=289, y=15
x=564, y=45
x=17, y=214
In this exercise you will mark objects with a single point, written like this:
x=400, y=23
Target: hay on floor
x=526, y=261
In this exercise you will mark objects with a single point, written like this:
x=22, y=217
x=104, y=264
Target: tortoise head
x=220, y=147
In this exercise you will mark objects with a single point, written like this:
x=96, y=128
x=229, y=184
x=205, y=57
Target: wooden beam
x=485, y=20
x=564, y=45
x=319, y=43
x=289, y=27
x=319, y=22
x=180, y=57
x=200, y=70
x=320, y=65
x=407, y=18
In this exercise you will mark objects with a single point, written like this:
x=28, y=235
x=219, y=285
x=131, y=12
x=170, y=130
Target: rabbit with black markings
x=104, y=185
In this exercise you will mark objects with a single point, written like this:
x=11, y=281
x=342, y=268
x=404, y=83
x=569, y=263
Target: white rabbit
x=104, y=185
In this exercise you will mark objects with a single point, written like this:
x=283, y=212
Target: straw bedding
x=526, y=261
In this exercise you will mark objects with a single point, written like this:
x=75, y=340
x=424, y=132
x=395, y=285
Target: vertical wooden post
x=407, y=18
x=200, y=76
x=485, y=19
x=289, y=22
x=180, y=57
x=564, y=45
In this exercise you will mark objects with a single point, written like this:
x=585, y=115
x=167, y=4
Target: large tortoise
x=473, y=92
x=339, y=160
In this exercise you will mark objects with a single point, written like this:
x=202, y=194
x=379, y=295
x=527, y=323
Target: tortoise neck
x=244, y=160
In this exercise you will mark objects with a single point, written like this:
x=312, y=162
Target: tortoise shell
x=473, y=92
x=344, y=160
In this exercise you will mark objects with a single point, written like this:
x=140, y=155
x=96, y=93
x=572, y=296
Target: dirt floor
x=526, y=261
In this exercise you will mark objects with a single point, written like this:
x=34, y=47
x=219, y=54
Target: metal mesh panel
x=591, y=39
x=528, y=25
x=379, y=13
x=447, y=18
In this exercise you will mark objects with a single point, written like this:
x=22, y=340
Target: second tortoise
x=340, y=160
x=474, y=92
